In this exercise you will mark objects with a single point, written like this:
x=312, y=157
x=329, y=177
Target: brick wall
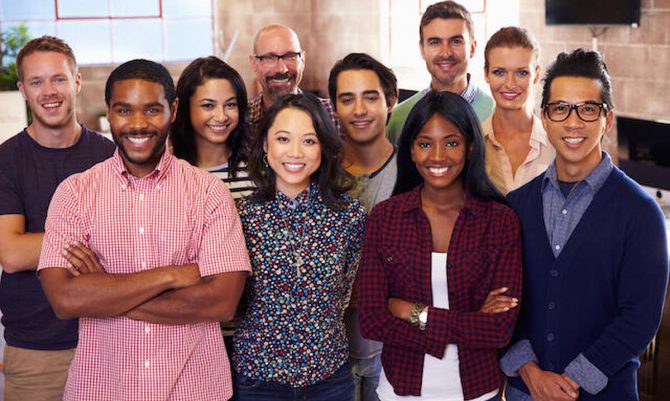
x=638, y=59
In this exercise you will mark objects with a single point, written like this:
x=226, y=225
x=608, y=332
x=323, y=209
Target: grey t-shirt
x=370, y=190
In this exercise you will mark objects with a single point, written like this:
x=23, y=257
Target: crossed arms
x=173, y=294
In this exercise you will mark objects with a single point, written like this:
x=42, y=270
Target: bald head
x=278, y=61
x=275, y=32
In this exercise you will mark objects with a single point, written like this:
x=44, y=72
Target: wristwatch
x=417, y=308
x=423, y=318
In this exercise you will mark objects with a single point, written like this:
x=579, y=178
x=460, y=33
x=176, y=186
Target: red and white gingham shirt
x=175, y=215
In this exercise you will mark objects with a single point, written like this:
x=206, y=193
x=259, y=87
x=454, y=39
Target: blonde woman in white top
x=517, y=148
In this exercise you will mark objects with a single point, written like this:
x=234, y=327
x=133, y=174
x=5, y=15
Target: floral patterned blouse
x=304, y=257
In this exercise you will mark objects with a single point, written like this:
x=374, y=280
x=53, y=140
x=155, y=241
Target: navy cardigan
x=603, y=296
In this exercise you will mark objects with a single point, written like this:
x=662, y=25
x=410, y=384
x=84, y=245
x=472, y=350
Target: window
x=403, y=51
x=114, y=31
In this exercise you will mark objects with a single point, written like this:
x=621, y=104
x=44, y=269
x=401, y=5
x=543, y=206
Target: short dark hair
x=182, y=135
x=144, y=70
x=579, y=63
x=459, y=112
x=446, y=10
x=331, y=178
x=512, y=36
x=45, y=43
x=362, y=61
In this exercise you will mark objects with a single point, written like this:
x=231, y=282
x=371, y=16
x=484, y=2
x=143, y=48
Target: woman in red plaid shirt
x=441, y=269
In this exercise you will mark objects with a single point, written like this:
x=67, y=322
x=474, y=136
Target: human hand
x=81, y=260
x=548, y=386
x=497, y=303
x=400, y=308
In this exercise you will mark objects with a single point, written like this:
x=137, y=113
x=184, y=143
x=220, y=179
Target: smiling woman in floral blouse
x=304, y=236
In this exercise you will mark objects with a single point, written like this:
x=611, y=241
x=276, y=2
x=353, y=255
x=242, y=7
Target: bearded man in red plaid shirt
x=148, y=252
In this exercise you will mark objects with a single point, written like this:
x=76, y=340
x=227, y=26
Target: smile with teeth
x=293, y=167
x=218, y=127
x=138, y=140
x=51, y=105
x=573, y=140
x=361, y=123
x=509, y=95
x=438, y=170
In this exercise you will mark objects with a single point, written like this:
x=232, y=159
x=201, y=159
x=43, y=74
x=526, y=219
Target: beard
x=152, y=157
x=278, y=92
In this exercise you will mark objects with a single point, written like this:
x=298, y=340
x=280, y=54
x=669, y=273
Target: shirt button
x=141, y=230
x=389, y=259
x=142, y=198
x=144, y=265
x=123, y=187
x=557, y=247
x=564, y=211
x=147, y=329
x=551, y=305
x=147, y=364
x=553, y=272
x=550, y=337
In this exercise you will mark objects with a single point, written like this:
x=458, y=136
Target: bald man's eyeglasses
x=271, y=59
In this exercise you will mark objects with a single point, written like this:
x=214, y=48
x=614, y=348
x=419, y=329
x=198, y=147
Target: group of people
x=339, y=248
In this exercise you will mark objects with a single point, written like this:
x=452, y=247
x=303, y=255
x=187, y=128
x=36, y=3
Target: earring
x=265, y=160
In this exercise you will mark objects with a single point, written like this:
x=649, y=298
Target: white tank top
x=441, y=377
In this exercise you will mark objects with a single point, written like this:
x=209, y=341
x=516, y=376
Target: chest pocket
x=474, y=270
x=402, y=271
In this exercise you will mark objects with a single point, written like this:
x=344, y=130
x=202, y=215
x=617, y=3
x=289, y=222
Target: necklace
x=293, y=239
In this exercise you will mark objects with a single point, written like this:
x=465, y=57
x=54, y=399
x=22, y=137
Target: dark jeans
x=338, y=387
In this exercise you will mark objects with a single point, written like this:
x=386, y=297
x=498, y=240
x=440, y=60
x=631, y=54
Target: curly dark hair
x=182, y=135
x=331, y=178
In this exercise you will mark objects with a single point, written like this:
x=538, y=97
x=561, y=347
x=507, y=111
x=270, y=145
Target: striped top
x=241, y=185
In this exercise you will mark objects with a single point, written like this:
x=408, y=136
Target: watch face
x=423, y=317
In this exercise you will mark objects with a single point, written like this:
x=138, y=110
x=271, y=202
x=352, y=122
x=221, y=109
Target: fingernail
x=66, y=246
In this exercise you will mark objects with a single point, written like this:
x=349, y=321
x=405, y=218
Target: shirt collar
x=304, y=198
x=158, y=173
x=469, y=93
x=595, y=179
x=537, y=135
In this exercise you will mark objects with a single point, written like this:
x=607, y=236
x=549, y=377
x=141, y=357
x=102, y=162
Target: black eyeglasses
x=586, y=111
x=271, y=59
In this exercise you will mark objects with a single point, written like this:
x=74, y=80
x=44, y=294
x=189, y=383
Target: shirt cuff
x=516, y=356
x=586, y=374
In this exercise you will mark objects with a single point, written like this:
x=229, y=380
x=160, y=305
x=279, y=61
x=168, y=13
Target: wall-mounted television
x=644, y=154
x=593, y=12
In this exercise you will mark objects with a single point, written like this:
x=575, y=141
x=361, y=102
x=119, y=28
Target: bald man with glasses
x=278, y=62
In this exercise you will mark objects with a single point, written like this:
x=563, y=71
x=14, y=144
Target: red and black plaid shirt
x=484, y=254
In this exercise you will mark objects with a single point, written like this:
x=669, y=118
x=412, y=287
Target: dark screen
x=644, y=151
x=593, y=12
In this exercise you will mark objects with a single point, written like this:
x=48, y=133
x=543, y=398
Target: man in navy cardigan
x=595, y=253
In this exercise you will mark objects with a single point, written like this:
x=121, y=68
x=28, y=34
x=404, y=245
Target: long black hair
x=331, y=178
x=459, y=112
x=182, y=135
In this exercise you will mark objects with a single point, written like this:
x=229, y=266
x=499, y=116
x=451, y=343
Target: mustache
x=450, y=59
x=281, y=75
x=140, y=132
